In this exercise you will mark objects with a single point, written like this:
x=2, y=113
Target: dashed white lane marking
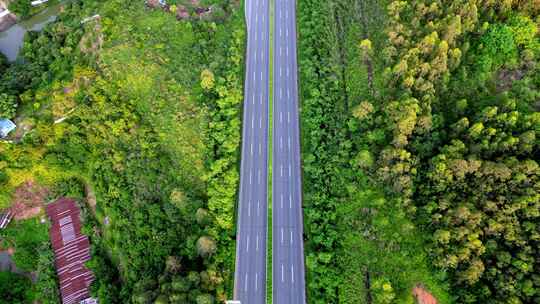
x=256, y=283
x=246, y=283
x=288, y=94
x=280, y=32
x=281, y=235
x=282, y=201
x=287, y=49
x=260, y=149
x=288, y=117
x=250, y=175
x=290, y=170
x=287, y=72
x=252, y=122
x=281, y=170
x=287, y=32
x=249, y=209
x=259, y=178
x=290, y=201
x=291, y=238
x=260, y=122
x=289, y=143
x=261, y=75
x=280, y=117
x=280, y=93
x=258, y=208
x=251, y=149
x=253, y=76
x=257, y=244
x=280, y=72
x=292, y=273
x=281, y=143
x=247, y=244
x=282, y=273
x=260, y=98
x=253, y=98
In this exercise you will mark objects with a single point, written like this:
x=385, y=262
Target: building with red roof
x=71, y=249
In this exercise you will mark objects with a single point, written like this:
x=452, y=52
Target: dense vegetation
x=381, y=258
x=142, y=110
x=445, y=120
x=29, y=239
x=14, y=288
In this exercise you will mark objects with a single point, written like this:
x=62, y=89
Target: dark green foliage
x=3, y=63
x=69, y=187
x=46, y=287
x=323, y=151
x=14, y=288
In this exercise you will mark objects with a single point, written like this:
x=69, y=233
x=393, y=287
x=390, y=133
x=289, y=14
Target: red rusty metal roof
x=71, y=250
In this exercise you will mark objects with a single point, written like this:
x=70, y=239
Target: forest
x=420, y=131
x=139, y=110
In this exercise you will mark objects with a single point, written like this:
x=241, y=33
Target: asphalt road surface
x=250, y=271
x=288, y=276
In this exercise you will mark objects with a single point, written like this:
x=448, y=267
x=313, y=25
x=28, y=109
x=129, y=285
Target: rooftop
x=71, y=250
x=6, y=126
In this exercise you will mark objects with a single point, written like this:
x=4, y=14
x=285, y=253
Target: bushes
x=21, y=8
x=46, y=287
x=8, y=105
x=14, y=288
x=27, y=237
x=497, y=47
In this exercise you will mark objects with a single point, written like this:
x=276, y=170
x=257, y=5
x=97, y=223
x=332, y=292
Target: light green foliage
x=205, y=299
x=497, y=47
x=383, y=292
x=525, y=32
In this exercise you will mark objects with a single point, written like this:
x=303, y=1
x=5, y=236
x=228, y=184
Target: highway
x=252, y=223
x=288, y=275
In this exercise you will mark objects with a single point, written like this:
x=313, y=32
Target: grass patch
x=269, y=260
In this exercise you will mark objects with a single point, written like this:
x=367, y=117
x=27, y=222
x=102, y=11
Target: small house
x=6, y=126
